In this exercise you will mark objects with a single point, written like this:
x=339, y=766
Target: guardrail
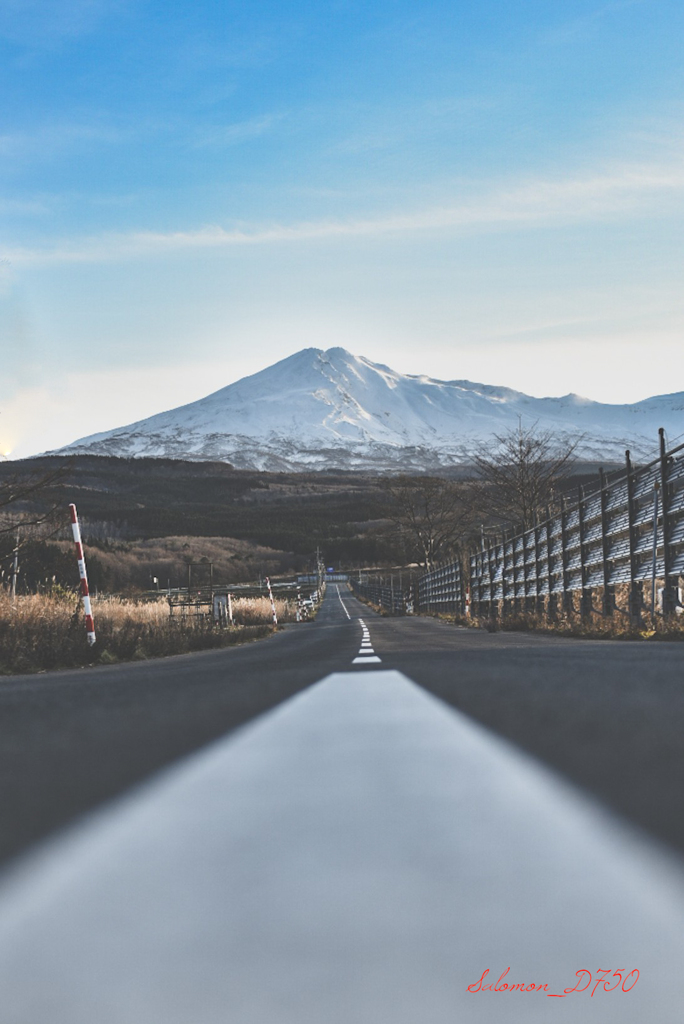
x=442, y=590
x=216, y=600
x=627, y=536
x=630, y=532
x=394, y=597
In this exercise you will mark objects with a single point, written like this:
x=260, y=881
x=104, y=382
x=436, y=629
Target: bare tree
x=520, y=474
x=22, y=501
x=431, y=512
x=25, y=514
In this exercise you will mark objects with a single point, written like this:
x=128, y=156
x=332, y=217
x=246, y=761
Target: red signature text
x=604, y=977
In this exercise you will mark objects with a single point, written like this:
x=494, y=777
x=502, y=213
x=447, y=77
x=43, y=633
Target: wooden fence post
x=605, y=562
x=567, y=594
x=481, y=576
x=585, y=604
x=635, y=596
x=551, y=600
x=669, y=595
x=504, y=581
x=491, y=568
x=537, y=569
x=525, y=602
x=514, y=572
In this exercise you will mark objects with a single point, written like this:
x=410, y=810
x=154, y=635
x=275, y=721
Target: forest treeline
x=147, y=518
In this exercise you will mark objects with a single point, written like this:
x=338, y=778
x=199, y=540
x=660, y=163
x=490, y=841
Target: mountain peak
x=331, y=409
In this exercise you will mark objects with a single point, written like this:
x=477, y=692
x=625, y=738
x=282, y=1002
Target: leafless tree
x=432, y=513
x=520, y=474
x=22, y=501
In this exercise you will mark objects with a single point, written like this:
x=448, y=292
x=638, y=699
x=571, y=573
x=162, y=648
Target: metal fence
x=391, y=595
x=629, y=532
x=628, y=535
x=442, y=590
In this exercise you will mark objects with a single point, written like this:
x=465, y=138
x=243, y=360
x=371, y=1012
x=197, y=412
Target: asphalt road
x=609, y=716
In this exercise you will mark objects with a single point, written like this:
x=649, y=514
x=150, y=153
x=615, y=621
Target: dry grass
x=585, y=618
x=42, y=632
x=593, y=627
x=248, y=611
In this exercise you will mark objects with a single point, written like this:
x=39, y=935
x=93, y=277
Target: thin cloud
x=577, y=28
x=44, y=24
x=23, y=206
x=380, y=129
x=234, y=134
x=539, y=202
x=47, y=140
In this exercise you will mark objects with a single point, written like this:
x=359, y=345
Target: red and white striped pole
x=273, y=607
x=85, y=593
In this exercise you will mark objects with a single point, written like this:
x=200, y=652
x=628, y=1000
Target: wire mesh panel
x=442, y=589
x=630, y=530
x=393, y=596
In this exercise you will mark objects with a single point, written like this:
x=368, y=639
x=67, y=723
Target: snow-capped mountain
x=319, y=410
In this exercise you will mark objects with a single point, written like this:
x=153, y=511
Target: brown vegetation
x=591, y=614
x=41, y=632
x=132, y=565
x=594, y=627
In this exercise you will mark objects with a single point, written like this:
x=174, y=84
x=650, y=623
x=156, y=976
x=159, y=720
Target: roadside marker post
x=85, y=593
x=273, y=607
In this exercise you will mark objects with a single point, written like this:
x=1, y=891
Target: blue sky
x=190, y=191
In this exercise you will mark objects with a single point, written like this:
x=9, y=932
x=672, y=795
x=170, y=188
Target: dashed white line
x=366, y=655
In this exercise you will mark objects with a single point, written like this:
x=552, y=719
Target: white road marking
x=361, y=853
x=346, y=610
x=366, y=655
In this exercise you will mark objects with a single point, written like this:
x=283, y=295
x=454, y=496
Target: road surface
x=608, y=715
x=363, y=848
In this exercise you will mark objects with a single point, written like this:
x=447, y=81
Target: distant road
x=609, y=716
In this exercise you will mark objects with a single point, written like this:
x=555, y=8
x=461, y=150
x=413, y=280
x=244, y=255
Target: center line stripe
x=346, y=610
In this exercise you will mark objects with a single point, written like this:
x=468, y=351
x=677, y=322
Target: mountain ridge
x=329, y=409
